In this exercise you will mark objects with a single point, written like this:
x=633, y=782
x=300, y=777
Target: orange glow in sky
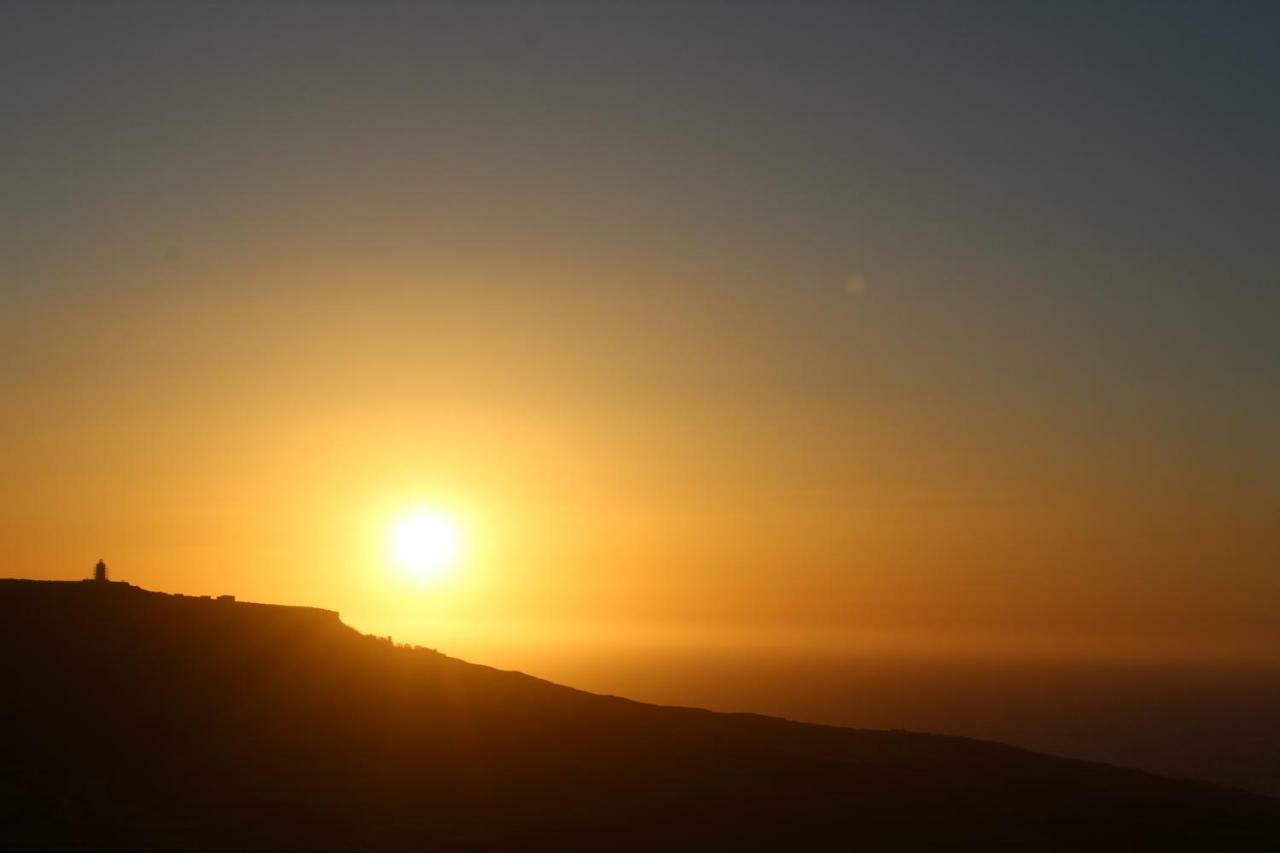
x=640, y=327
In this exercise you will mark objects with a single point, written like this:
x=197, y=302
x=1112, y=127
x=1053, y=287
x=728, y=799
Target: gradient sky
x=941, y=324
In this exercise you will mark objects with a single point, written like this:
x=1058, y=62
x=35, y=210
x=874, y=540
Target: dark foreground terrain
x=137, y=719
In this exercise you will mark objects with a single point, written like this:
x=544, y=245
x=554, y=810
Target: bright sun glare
x=425, y=544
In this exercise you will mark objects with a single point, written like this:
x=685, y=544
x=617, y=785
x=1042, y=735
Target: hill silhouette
x=139, y=719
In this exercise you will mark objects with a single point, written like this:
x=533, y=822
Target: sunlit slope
x=140, y=719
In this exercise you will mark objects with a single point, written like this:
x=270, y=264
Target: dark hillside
x=137, y=719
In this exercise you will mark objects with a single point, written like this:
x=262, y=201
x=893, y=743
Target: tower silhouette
x=100, y=572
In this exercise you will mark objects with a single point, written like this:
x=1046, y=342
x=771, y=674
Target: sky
x=922, y=325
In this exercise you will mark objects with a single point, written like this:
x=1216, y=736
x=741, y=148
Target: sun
x=425, y=544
